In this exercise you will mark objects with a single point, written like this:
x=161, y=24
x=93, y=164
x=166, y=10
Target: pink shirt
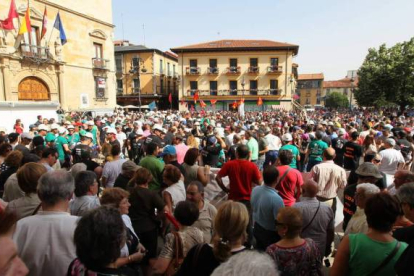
x=181, y=151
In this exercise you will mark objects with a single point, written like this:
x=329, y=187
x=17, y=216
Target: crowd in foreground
x=127, y=194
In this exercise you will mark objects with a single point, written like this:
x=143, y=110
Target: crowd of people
x=126, y=194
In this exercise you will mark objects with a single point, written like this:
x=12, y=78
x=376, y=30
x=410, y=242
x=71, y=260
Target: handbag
x=178, y=257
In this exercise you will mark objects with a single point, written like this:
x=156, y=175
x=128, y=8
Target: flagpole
x=51, y=32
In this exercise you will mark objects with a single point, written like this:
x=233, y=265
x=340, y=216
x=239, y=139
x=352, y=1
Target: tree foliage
x=387, y=76
x=336, y=100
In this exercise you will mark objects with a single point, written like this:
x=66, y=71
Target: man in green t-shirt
x=288, y=145
x=62, y=145
x=315, y=151
x=253, y=146
x=154, y=165
x=73, y=137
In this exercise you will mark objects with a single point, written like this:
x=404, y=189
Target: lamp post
x=136, y=69
x=243, y=83
x=352, y=90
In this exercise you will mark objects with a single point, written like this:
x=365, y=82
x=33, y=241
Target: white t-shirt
x=274, y=142
x=177, y=192
x=111, y=171
x=121, y=137
x=390, y=160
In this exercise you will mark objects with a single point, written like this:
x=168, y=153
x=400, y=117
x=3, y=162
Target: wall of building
x=243, y=60
x=69, y=72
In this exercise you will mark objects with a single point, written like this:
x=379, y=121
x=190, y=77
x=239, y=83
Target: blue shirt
x=266, y=203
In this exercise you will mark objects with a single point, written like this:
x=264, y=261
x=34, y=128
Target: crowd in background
x=126, y=193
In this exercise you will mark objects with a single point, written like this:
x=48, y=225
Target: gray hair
x=242, y=265
x=55, y=186
x=78, y=167
x=369, y=189
x=199, y=185
x=406, y=193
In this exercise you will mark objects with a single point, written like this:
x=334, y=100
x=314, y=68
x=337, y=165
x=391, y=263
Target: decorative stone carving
x=58, y=50
x=98, y=34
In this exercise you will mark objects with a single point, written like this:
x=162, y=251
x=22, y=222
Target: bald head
x=310, y=188
x=329, y=154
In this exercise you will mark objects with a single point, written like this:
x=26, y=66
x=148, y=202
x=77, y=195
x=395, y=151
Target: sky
x=333, y=36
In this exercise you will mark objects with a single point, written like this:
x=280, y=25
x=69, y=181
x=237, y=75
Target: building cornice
x=59, y=7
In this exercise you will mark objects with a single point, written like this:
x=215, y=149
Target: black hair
x=99, y=236
x=115, y=150
x=270, y=175
x=83, y=180
x=242, y=151
x=48, y=151
x=186, y=213
x=382, y=211
x=285, y=157
x=38, y=141
x=151, y=148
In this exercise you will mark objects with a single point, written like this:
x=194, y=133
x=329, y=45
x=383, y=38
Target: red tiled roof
x=318, y=76
x=227, y=44
x=342, y=83
x=168, y=53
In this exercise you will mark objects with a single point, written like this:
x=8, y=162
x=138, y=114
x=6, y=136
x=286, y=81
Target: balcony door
x=31, y=42
x=273, y=87
x=233, y=87
x=193, y=66
x=253, y=87
x=193, y=87
x=233, y=65
x=213, y=88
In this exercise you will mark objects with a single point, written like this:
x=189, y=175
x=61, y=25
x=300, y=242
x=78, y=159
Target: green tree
x=387, y=76
x=336, y=99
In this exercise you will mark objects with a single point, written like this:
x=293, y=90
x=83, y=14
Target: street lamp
x=243, y=83
x=136, y=69
x=352, y=90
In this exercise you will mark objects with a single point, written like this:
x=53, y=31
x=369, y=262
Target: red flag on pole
x=170, y=98
x=234, y=104
x=7, y=24
x=202, y=104
x=213, y=102
x=259, y=101
x=44, y=24
x=196, y=97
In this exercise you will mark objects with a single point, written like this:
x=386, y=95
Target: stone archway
x=33, y=89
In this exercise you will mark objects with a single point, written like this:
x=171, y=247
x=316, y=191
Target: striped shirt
x=330, y=178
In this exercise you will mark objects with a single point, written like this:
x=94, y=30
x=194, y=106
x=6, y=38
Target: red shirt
x=242, y=173
x=290, y=187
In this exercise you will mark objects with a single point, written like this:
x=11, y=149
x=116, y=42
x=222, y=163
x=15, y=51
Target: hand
x=136, y=257
x=141, y=248
x=206, y=169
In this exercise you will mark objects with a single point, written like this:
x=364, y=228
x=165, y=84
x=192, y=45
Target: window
x=193, y=66
x=213, y=88
x=174, y=70
x=318, y=100
x=118, y=64
x=135, y=62
x=168, y=69
x=274, y=62
x=161, y=86
x=98, y=50
x=308, y=93
x=273, y=87
x=100, y=85
x=193, y=87
x=119, y=86
x=233, y=87
x=253, y=87
x=213, y=66
x=233, y=65
x=161, y=69
x=136, y=84
x=254, y=62
x=31, y=42
x=168, y=86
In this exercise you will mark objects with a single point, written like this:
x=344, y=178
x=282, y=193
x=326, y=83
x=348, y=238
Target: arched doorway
x=33, y=89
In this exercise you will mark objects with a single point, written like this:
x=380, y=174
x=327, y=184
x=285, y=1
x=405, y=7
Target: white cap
x=311, y=122
x=89, y=135
x=341, y=131
x=62, y=130
x=158, y=127
x=42, y=127
x=110, y=131
x=330, y=124
x=90, y=123
x=287, y=137
x=71, y=127
x=26, y=135
x=54, y=126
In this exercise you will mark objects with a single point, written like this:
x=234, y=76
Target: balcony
x=169, y=75
x=192, y=71
x=191, y=92
x=35, y=53
x=136, y=90
x=100, y=64
x=253, y=92
x=212, y=70
x=275, y=92
x=274, y=69
x=253, y=70
x=233, y=92
x=175, y=75
x=233, y=70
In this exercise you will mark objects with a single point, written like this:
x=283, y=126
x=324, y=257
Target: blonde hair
x=291, y=218
x=192, y=142
x=230, y=225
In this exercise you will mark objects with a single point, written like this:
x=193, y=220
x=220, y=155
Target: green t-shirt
x=295, y=153
x=366, y=255
x=253, y=148
x=73, y=139
x=316, y=149
x=156, y=168
x=60, y=141
x=94, y=132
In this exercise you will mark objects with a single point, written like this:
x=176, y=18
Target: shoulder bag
x=178, y=257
